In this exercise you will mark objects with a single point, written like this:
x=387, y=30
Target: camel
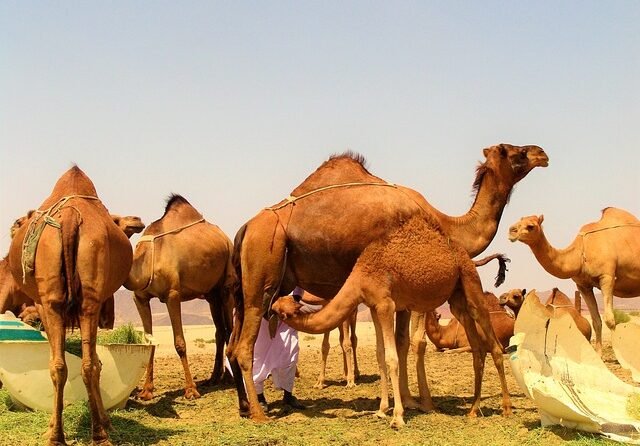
x=309, y=240
x=453, y=337
x=181, y=257
x=513, y=299
x=348, y=342
x=415, y=267
x=605, y=255
x=81, y=259
x=14, y=300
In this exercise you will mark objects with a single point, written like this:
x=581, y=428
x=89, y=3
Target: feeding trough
x=24, y=368
x=558, y=369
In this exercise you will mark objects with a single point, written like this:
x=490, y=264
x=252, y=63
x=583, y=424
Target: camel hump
x=618, y=215
x=73, y=182
x=557, y=297
x=175, y=200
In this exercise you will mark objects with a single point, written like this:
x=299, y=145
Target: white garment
x=277, y=356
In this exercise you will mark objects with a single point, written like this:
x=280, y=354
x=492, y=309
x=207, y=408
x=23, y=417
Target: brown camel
x=309, y=240
x=181, y=257
x=453, y=336
x=559, y=303
x=348, y=342
x=14, y=300
x=415, y=267
x=605, y=255
x=513, y=299
x=82, y=258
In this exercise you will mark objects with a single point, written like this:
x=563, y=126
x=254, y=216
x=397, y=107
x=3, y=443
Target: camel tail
x=226, y=299
x=502, y=266
x=70, y=230
x=577, y=302
x=238, y=294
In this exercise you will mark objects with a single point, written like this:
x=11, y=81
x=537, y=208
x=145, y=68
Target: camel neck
x=561, y=263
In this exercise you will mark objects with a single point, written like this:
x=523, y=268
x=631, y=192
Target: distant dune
x=196, y=312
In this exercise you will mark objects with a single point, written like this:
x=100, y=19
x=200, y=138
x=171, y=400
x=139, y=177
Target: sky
x=233, y=104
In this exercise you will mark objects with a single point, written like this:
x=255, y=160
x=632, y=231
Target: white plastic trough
x=560, y=371
x=24, y=370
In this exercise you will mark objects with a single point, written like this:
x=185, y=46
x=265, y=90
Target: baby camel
x=605, y=255
x=414, y=267
x=453, y=336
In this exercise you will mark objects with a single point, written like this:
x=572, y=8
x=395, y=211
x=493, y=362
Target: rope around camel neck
x=152, y=237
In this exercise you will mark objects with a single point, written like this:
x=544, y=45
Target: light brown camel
x=605, y=255
x=453, y=336
x=513, y=299
x=11, y=296
x=309, y=240
x=559, y=303
x=414, y=267
x=181, y=257
x=82, y=258
x=348, y=343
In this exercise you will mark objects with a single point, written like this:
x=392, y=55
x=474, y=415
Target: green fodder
x=633, y=405
x=621, y=317
x=125, y=334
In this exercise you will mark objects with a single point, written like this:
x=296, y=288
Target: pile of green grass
x=126, y=334
x=621, y=317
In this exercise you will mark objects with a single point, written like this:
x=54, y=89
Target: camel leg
x=243, y=403
x=419, y=343
x=347, y=352
x=144, y=310
x=54, y=326
x=91, y=368
x=175, y=314
x=354, y=344
x=480, y=314
x=220, y=336
x=384, y=380
x=325, y=353
x=385, y=310
x=459, y=350
x=596, y=321
x=607, y=284
x=402, y=347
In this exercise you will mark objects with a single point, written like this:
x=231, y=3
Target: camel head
x=528, y=230
x=29, y=314
x=286, y=307
x=20, y=222
x=129, y=224
x=513, y=298
x=514, y=162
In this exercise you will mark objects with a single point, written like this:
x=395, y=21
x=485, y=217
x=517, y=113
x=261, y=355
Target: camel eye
x=530, y=227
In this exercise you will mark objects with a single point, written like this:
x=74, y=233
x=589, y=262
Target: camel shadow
x=318, y=408
x=124, y=430
x=362, y=379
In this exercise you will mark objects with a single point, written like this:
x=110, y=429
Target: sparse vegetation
x=633, y=406
x=621, y=317
x=125, y=334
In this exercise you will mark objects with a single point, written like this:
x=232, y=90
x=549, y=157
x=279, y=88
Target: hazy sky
x=232, y=104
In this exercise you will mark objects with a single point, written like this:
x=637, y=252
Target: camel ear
x=116, y=219
x=485, y=152
x=30, y=213
x=524, y=292
x=540, y=218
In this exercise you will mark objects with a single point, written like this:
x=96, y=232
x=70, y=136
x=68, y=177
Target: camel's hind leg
x=325, y=353
x=175, y=314
x=144, y=310
x=596, y=320
x=402, y=347
x=384, y=379
x=216, y=306
x=478, y=311
x=353, y=321
x=348, y=356
x=91, y=368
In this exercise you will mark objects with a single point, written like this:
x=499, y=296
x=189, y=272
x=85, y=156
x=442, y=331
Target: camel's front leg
x=144, y=310
x=221, y=338
x=386, y=313
x=54, y=326
x=325, y=353
x=596, y=320
x=402, y=347
x=91, y=367
x=607, y=284
x=175, y=314
x=384, y=380
x=354, y=344
x=419, y=342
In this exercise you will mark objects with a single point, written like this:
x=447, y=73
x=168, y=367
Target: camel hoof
x=319, y=385
x=191, y=394
x=473, y=414
x=507, y=411
x=397, y=423
x=426, y=408
x=145, y=395
x=410, y=403
x=380, y=414
x=104, y=442
x=350, y=385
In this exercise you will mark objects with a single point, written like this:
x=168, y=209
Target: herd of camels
x=393, y=251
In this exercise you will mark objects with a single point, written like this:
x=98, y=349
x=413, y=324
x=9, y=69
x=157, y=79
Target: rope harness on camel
x=41, y=219
x=584, y=234
x=151, y=238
